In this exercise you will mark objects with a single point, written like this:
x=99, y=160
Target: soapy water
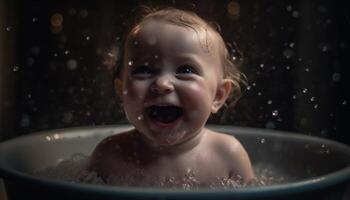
x=70, y=169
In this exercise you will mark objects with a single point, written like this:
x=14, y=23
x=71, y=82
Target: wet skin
x=168, y=72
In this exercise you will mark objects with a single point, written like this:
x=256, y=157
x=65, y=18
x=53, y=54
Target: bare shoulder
x=233, y=153
x=113, y=148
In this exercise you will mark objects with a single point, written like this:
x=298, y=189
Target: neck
x=177, y=148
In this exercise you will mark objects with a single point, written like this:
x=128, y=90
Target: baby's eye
x=186, y=69
x=142, y=71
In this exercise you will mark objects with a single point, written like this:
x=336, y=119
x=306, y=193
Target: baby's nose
x=162, y=85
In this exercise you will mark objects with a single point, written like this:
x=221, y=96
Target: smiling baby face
x=170, y=84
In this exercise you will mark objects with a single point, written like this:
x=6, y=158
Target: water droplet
x=15, y=68
x=289, y=8
x=55, y=54
x=48, y=138
x=9, y=28
x=56, y=136
x=140, y=117
x=87, y=37
x=294, y=97
x=315, y=106
x=287, y=67
x=34, y=19
x=234, y=58
x=344, y=103
x=261, y=65
x=324, y=48
x=275, y=113
x=130, y=63
x=312, y=99
x=259, y=93
x=295, y=14
x=336, y=77
x=269, y=102
x=66, y=52
x=156, y=57
x=262, y=140
x=307, y=69
x=25, y=121
x=249, y=87
x=125, y=92
x=291, y=45
x=305, y=90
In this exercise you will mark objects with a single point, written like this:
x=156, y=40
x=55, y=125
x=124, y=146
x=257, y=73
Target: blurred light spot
x=289, y=8
x=56, y=20
x=305, y=90
x=312, y=99
x=84, y=13
x=295, y=14
x=9, y=28
x=233, y=9
x=56, y=23
x=287, y=67
x=88, y=38
x=269, y=102
x=315, y=106
x=66, y=52
x=30, y=61
x=35, y=50
x=34, y=19
x=344, y=103
x=291, y=45
x=130, y=63
x=72, y=64
x=324, y=48
x=25, y=121
x=261, y=65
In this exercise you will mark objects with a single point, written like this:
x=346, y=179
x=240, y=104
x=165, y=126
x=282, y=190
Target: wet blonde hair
x=191, y=20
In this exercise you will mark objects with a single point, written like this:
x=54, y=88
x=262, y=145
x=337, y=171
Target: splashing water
x=72, y=170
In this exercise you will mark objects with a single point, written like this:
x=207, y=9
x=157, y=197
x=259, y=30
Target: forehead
x=155, y=34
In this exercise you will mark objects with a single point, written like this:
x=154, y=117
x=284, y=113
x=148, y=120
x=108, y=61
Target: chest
x=193, y=170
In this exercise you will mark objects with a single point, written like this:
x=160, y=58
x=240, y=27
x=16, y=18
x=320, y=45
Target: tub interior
x=295, y=155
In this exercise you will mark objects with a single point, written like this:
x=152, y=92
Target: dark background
x=58, y=74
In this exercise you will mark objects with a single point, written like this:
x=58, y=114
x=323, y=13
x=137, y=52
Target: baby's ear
x=118, y=87
x=222, y=93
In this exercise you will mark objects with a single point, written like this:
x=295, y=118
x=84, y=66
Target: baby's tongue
x=165, y=114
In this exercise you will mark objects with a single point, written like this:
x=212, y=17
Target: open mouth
x=165, y=114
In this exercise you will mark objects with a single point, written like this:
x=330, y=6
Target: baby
x=175, y=72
